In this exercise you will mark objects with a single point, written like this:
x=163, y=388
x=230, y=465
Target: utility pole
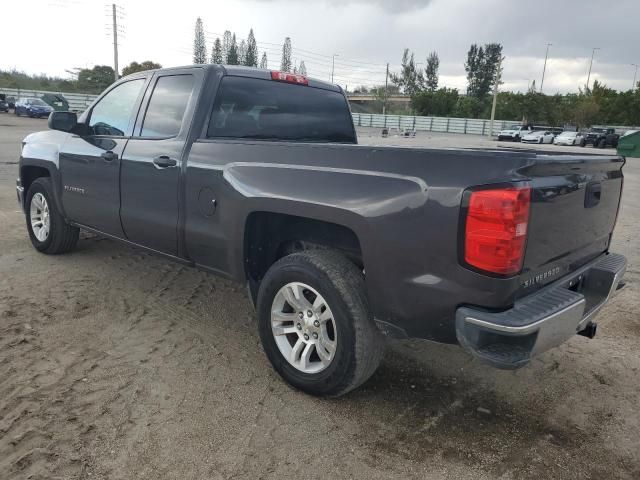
x=633, y=85
x=495, y=95
x=115, y=42
x=386, y=83
x=544, y=69
x=333, y=65
x=593, y=52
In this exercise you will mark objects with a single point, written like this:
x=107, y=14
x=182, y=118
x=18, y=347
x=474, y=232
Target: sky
x=53, y=36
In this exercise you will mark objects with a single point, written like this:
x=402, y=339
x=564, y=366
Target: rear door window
x=251, y=108
x=168, y=103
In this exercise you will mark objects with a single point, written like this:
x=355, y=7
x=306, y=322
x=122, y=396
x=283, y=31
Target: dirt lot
x=117, y=364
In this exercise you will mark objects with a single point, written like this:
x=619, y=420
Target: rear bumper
x=542, y=320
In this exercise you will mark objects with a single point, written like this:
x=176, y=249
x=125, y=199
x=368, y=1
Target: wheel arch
x=269, y=236
x=32, y=169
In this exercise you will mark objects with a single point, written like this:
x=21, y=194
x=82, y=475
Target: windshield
x=36, y=101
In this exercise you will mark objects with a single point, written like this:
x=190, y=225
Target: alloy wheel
x=39, y=216
x=303, y=327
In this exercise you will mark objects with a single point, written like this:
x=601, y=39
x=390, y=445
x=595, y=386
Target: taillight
x=289, y=78
x=496, y=229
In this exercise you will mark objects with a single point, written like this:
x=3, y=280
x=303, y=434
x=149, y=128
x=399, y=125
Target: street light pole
x=333, y=65
x=544, y=69
x=633, y=86
x=386, y=84
x=593, y=52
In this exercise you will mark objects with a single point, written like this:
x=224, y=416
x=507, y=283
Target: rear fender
x=355, y=199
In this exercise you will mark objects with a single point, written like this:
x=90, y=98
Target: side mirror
x=63, y=121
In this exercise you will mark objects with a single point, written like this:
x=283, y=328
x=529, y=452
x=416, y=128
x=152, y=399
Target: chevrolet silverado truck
x=257, y=176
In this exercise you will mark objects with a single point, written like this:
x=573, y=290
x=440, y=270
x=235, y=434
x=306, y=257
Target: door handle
x=109, y=156
x=164, y=161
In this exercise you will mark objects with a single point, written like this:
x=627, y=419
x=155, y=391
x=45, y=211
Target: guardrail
x=431, y=124
x=78, y=102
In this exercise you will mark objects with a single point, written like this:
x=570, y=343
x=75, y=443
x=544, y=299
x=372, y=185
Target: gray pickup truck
x=256, y=176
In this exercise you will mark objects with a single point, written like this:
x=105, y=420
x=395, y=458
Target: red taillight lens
x=496, y=229
x=289, y=78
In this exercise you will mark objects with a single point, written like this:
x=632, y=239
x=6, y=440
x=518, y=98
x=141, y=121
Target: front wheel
x=48, y=230
x=315, y=324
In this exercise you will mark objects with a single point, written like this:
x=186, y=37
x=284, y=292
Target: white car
x=538, y=137
x=515, y=133
x=568, y=138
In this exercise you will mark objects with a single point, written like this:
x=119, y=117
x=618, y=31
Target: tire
x=602, y=143
x=583, y=143
x=61, y=237
x=358, y=344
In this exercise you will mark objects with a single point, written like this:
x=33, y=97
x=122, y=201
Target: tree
x=216, y=52
x=232, y=54
x=242, y=52
x=199, y=44
x=441, y=102
x=481, y=67
x=410, y=80
x=134, y=67
x=251, y=57
x=95, y=79
x=302, y=70
x=285, y=63
x=431, y=72
x=264, y=63
x=226, y=45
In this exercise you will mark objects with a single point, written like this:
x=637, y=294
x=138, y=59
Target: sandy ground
x=117, y=364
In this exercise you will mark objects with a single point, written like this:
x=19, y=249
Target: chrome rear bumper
x=542, y=320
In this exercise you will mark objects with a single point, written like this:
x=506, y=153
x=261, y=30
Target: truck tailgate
x=574, y=206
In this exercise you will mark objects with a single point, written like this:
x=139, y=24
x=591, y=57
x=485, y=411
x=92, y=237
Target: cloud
x=390, y=6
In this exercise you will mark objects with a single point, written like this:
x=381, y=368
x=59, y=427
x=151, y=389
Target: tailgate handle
x=592, y=195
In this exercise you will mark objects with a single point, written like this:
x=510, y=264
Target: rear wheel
x=315, y=324
x=602, y=143
x=48, y=230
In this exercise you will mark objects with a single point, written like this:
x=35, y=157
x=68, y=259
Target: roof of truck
x=242, y=71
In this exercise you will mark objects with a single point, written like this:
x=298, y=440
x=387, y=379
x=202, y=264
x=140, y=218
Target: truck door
x=152, y=161
x=90, y=162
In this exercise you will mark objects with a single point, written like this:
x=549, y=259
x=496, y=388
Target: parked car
x=11, y=101
x=539, y=136
x=601, y=138
x=33, y=107
x=257, y=176
x=514, y=133
x=568, y=138
x=4, y=105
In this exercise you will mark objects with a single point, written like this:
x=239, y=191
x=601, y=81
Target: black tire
x=360, y=344
x=62, y=237
x=602, y=143
x=583, y=143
